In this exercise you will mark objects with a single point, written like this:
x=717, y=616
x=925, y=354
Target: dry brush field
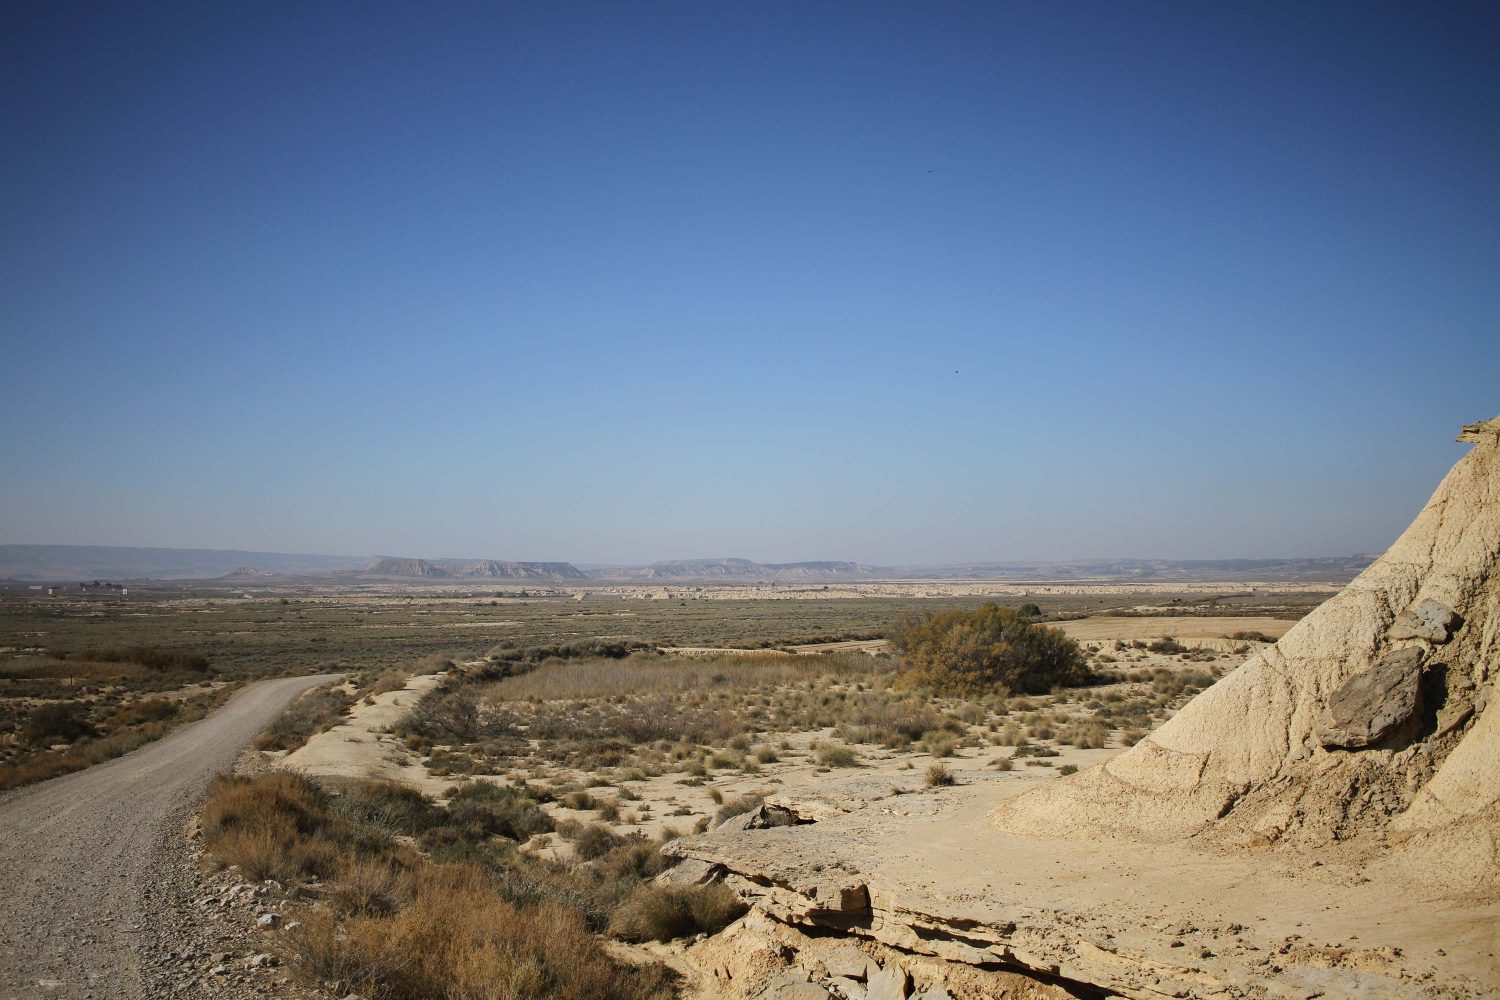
x=489, y=790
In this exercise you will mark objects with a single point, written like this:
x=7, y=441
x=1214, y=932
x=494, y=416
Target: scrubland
x=559, y=772
x=559, y=748
x=61, y=712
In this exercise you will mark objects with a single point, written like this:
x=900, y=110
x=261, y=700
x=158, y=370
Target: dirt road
x=90, y=863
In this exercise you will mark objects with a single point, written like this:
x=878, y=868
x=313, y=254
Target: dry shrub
x=943, y=745
x=387, y=807
x=459, y=940
x=443, y=715
x=939, y=776
x=369, y=887
x=635, y=860
x=139, y=712
x=836, y=755
x=661, y=913
x=593, y=840
x=1087, y=734
x=483, y=809
x=275, y=826
x=56, y=722
x=384, y=684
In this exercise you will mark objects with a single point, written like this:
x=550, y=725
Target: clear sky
x=907, y=282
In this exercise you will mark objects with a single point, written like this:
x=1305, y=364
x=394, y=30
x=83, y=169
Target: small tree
x=973, y=652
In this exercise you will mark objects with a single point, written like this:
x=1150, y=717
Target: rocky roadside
x=213, y=934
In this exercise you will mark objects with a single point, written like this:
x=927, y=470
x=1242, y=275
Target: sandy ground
x=1179, y=626
x=362, y=748
x=1201, y=920
x=819, y=791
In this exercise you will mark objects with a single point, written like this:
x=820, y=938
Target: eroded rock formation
x=1379, y=690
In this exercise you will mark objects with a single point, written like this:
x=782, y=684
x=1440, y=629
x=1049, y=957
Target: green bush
x=973, y=652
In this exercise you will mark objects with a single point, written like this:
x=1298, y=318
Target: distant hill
x=404, y=567
x=488, y=569
x=1331, y=568
x=737, y=569
x=96, y=562
x=108, y=562
x=246, y=573
x=1335, y=568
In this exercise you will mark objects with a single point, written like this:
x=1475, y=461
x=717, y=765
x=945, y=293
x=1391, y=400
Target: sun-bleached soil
x=1105, y=628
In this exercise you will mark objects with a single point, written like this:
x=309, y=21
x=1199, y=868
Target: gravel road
x=93, y=871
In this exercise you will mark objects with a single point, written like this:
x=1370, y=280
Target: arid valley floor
x=1264, y=789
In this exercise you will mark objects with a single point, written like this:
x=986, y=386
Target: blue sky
x=890, y=282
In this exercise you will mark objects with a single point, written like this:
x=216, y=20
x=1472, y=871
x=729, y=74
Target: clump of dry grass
x=274, y=827
x=384, y=684
x=1087, y=734
x=835, y=755
x=738, y=806
x=369, y=887
x=457, y=937
x=658, y=913
x=938, y=776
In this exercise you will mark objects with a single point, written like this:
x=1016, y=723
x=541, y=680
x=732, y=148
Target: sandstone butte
x=1324, y=821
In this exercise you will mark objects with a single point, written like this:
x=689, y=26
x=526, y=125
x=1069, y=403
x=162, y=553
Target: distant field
x=1180, y=627
x=289, y=631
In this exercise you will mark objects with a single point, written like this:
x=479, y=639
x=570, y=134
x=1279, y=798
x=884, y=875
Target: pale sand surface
x=934, y=854
x=1177, y=626
x=361, y=748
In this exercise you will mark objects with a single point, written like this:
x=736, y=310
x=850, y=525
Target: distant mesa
x=739, y=569
x=246, y=573
x=40, y=563
x=404, y=567
x=488, y=569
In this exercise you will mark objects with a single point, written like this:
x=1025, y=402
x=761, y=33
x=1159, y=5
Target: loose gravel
x=103, y=896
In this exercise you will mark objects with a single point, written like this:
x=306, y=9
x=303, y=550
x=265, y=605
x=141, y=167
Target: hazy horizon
x=888, y=283
x=589, y=564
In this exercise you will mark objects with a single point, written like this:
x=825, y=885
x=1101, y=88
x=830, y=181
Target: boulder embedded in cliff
x=1368, y=706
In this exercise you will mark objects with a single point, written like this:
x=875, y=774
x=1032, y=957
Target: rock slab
x=1367, y=707
x=1430, y=620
